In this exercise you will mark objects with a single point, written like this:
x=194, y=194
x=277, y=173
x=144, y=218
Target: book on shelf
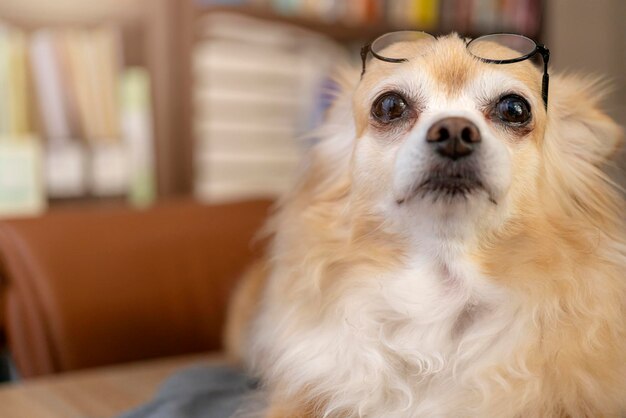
x=21, y=189
x=16, y=98
x=136, y=125
x=65, y=170
x=65, y=161
x=51, y=93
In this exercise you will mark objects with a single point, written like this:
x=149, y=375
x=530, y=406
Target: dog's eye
x=388, y=107
x=513, y=109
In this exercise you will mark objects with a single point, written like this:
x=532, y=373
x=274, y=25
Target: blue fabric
x=198, y=392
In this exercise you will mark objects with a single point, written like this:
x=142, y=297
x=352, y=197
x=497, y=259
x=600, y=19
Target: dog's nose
x=453, y=137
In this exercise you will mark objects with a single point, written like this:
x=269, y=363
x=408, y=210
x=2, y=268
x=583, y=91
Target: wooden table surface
x=97, y=393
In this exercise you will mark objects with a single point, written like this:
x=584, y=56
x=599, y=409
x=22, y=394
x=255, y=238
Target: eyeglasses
x=516, y=48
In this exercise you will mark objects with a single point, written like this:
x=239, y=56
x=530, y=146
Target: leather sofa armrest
x=87, y=288
x=3, y=321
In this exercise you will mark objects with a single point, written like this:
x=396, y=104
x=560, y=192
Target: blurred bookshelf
x=86, y=62
x=128, y=101
x=358, y=20
x=76, y=92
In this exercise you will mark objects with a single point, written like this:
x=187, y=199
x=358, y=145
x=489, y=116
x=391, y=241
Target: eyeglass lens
x=507, y=47
x=381, y=46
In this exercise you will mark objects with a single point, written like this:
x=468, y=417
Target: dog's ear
x=580, y=138
x=576, y=118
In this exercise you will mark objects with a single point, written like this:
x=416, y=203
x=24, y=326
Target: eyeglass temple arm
x=364, y=51
x=545, y=83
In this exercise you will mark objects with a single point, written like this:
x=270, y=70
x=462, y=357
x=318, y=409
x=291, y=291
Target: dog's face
x=445, y=137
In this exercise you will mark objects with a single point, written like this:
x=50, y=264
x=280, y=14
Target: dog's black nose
x=453, y=137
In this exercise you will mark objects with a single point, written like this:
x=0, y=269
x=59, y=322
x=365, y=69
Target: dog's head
x=449, y=141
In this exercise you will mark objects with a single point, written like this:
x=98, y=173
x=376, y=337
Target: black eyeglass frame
x=539, y=49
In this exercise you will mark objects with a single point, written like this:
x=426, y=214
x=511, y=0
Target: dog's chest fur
x=407, y=343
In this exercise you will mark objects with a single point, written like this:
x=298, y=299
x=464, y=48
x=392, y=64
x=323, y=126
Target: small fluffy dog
x=452, y=249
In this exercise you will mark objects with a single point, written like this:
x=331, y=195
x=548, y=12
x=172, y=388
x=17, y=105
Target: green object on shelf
x=137, y=132
x=21, y=183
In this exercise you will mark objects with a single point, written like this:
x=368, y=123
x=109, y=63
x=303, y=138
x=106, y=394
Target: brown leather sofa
x=85, y=288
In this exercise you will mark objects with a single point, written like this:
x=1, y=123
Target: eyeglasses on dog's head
x=517, y=48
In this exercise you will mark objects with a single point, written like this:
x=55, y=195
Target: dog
x=452, y=248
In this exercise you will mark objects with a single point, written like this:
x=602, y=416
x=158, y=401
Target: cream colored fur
x=371, y=308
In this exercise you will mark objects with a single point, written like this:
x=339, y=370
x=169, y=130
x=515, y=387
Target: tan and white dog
x=452, y=249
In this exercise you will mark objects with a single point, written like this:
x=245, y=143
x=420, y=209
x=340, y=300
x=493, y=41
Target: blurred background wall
x=115, y=101
x=590, y=37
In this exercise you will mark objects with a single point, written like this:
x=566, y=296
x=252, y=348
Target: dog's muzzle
x=454, y=166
